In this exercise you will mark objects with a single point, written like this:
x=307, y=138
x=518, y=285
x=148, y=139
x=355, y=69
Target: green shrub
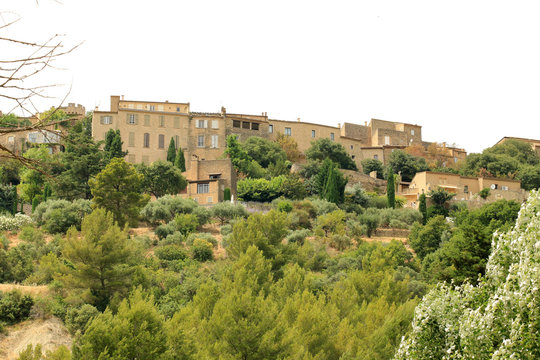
x=298, y=236
x=170, y=252
x=77, y=318
x=32, y=235
x=371, y=220
x=176, y=238
x=203, y=215
x=14, y=307
x=378, y=202
x=323, y=207
x=57, y=216
x=484, y=193
x=165, y=208
x=284, y=206
x=340, y=242
x=162, y=231
x=10, y=223
x=299, y=219
x=226, y=211
x=397, y=224
x=226, y=229
x=186, y=223
x=204, y=236
x=202, y=250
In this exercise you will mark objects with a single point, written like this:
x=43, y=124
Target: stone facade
x=147, y=128
x=465, y=188
x=207, y=180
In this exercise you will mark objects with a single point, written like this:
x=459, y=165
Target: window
x=131, y=139
x=312, y=133
x=375, y=157
x=386, y=140
x=131, y=119
x=215, y=176
x=504, y=187
x=215, y=124
x=209, y=200
x=270, y=128
x=412, y=132
x=455, y=159
x=255, y=126
x=236, y=123
x=177, y=109
x=161, y=121
x=139, y=106
x=11, y=139
x=146, y=142
x=176, y=141
x=288, y=131
x=245, y=124
x=152, y=108
x=331, y=136
x=176, y=123
x=200, y=141
x=353, y=156
x=160, y=107
x=466, y=189
x=161, y=141
x=131, y=106
x=32, y=137
x=106, y=120
x=201, y=124
x=494, y=186
x=131, y=158
x=146, y=120
x=214, y=141
x=203, y=188
x=352, y=147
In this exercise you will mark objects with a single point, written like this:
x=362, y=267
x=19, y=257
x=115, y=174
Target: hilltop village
x=149, y=231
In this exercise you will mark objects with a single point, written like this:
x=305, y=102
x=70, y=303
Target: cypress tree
x=109, y=136
x=322, y=177
x=171, y=152
x=35, y=203
x=113, y=145
x=15, y=202
x=331, y=191
x=391, y=190
x=180, y=161
x=227, y=194
x=423, y=208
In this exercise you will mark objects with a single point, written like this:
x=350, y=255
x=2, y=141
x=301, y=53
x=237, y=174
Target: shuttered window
x=146, y=142
x=131, y=139
x=146, y=120
x=177, y=122
x=161, y=141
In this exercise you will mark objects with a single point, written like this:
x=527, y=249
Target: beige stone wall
x=303, y=132
x=359, y=132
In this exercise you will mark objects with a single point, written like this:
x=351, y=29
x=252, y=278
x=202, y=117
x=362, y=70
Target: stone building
x=147, y=128
x=207, y=180
x=465, y=188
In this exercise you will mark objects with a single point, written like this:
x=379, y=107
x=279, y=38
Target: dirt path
x=26, y=289
x=50, y=333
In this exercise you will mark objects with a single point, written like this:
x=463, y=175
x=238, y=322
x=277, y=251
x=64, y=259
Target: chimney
x=223, y=110
x=365, y=123
x=339, y=125
x=122, y=97
x=298, y=119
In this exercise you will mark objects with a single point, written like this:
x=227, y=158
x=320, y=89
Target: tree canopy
x=325, y=148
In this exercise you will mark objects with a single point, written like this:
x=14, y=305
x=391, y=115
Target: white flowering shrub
x=497, y=319
x=9, y=223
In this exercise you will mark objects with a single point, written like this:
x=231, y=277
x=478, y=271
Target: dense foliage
x=496, y=319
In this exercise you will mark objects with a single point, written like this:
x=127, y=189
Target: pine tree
x=180, y=161
x=423, y=208
x=391, y=190
x=171, y=152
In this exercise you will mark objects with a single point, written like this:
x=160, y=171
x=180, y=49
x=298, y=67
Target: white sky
x=467, y=71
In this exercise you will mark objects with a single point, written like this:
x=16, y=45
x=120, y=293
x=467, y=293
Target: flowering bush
x=497, y=319
x=9, y=223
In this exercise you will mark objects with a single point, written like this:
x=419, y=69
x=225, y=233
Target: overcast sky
x=467, y=71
